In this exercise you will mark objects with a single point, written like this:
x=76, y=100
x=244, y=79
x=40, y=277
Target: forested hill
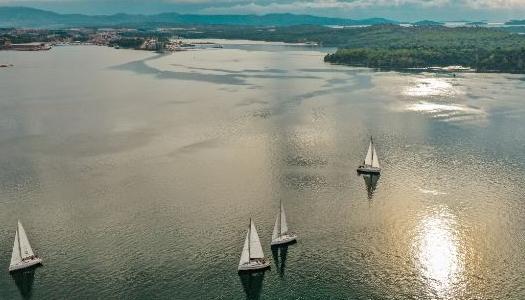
x=394, y=47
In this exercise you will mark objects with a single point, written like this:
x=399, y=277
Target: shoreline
x=424, y=69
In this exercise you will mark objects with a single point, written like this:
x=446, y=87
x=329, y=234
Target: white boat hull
x=368, y=169
x=285, y=239
x=255, y=265
x=25, y=264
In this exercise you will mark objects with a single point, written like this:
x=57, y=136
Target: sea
x=135, y=175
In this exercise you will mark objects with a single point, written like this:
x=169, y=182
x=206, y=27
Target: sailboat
x=23, y=256
x=371, y=163
x=252, y=256
x=280, y=230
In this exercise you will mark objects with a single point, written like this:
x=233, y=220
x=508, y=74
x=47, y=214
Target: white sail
x=245, y=255
x=277, y=227
x=368, y=158
x=255, y=244
x=25, y=247
x=284, y=224
x=375, y=160
x=15, y=257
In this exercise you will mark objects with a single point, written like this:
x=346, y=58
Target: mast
x=18, y=241
x=372, y=142
x=280, y=216
x=249, y=238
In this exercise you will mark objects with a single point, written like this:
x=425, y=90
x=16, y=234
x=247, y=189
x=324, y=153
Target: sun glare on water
x=440, y=99
x=439, y=256
x=427, y=87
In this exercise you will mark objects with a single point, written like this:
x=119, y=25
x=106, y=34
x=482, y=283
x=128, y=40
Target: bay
x=135, y=175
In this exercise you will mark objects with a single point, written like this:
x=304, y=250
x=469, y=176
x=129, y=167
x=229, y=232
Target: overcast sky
x=409, y=10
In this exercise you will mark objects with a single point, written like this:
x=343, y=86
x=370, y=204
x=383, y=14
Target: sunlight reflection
x=448, y=112
x=430, y=87
x=439, y=255
x=435, y=107
x=431, y=192
x=436, y=97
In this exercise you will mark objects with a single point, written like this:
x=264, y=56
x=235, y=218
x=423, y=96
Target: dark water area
x=135, y=175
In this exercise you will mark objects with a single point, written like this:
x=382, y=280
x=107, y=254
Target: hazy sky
x=445, y=10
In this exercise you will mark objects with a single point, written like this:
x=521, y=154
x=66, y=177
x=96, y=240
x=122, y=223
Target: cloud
x=303, y=6
x=348, y=4
x=254, y=7
x=497, y=4
x=367, y=3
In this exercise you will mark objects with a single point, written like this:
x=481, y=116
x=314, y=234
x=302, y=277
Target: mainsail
x=281, y=226
x=255, y=244
x=375, y=160
x=277, y=228
x=284, y=224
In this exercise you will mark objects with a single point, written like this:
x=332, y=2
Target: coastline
x=419, y=60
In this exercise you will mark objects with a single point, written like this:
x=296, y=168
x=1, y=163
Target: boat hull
x=25, y=264
x=285, y=239
x=254, y=266
x=368, y=170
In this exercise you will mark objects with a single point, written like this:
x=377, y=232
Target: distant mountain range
x=36, y=18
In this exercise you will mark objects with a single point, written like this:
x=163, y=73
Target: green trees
x=496, y=60
x=486, y=50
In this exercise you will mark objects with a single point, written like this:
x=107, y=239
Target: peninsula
x=394, y=47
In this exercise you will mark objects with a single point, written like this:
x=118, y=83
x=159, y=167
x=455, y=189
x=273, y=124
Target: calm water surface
x=135, y=175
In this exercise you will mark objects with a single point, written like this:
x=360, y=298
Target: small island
x=515, y=22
